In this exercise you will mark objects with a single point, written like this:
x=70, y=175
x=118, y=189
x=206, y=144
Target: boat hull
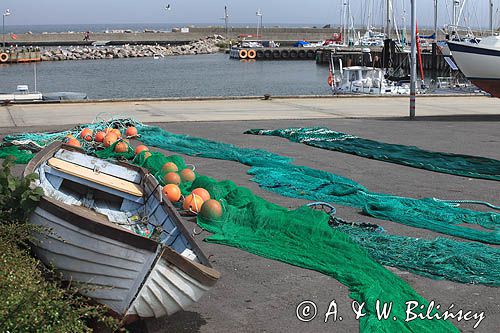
x=109, y=271
x=167, y=290
x=481, y=65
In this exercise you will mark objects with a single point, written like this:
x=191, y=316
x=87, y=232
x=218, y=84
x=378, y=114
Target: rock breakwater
x=206, y=45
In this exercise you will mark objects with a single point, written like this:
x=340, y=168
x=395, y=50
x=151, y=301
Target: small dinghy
x=113, y=231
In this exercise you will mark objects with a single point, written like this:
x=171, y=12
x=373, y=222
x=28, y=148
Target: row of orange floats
x=197, y=202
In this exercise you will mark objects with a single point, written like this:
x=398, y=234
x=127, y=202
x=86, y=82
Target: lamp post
x=259, y=21
x=413, y=67
x=6, y=13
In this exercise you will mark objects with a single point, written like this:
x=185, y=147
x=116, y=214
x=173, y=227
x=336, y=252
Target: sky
x=318, y=12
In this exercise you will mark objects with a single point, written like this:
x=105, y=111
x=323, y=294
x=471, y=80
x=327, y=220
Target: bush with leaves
x=18, y=198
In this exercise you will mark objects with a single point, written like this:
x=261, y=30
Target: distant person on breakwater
x=86, y=37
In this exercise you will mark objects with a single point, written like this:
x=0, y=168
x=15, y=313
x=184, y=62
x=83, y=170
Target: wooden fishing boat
x=96, y=211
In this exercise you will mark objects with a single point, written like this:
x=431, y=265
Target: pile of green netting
x=277, y=174
x=439, y=258
x=302, y=237
x=455, y=164
x=22, y=156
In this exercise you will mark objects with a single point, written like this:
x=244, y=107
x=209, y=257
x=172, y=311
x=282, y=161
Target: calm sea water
x=175, y=76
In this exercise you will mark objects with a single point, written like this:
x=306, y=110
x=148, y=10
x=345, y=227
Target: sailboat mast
x=435, y=21
x=456, y=3
x=369, y=19
x=388, y=25
x=491, y=18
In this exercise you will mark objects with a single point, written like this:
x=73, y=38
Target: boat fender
x=243, y=54
x=4, y=57
x=251, y=54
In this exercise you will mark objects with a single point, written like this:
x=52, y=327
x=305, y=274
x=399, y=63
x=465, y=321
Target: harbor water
x=175, y=76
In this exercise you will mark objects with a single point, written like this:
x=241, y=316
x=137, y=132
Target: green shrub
x=30, y=303
x=18, y=198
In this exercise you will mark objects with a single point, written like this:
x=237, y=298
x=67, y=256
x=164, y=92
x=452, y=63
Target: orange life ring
x=4, y=57
x=243, y=54
x=251, y=54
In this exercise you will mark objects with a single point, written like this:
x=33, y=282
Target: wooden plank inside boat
x=99, y=178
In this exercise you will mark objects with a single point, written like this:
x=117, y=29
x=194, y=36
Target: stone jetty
x=206, y=45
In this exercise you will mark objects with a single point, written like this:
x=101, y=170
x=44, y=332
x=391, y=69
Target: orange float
x=172, y=178
x=169, y=167
x=140, y=148
x=121, y=147
x=117, y=132
x=74, y=142
x=193, y=203
x=172, y=192
x=109, y=139
x=187, y=175
x=201, y=192
x=131, y=132
x=99, y=136
x=147, y=155
x=211, y=209
x=86, y=134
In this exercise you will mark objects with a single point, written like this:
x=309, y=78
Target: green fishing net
x=455, y=164
x=302, y=237
x=277, y=174
x=22, y=156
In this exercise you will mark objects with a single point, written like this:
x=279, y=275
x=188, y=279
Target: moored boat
x=480, y=62
x=366, y=80
x=113, y=231
x=22, y=94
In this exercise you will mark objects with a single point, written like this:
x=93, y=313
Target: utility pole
x=6, y=13
x=413, y=72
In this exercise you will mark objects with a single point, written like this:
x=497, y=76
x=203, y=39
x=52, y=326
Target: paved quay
x=173, y=110
x=255, y=294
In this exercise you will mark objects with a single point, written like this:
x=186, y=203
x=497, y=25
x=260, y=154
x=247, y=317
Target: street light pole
x=259, y=20
x=6, y=13
x=413, y=71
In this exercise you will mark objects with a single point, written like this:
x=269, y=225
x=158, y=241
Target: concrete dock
x=178, y=110
x=260, y=295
